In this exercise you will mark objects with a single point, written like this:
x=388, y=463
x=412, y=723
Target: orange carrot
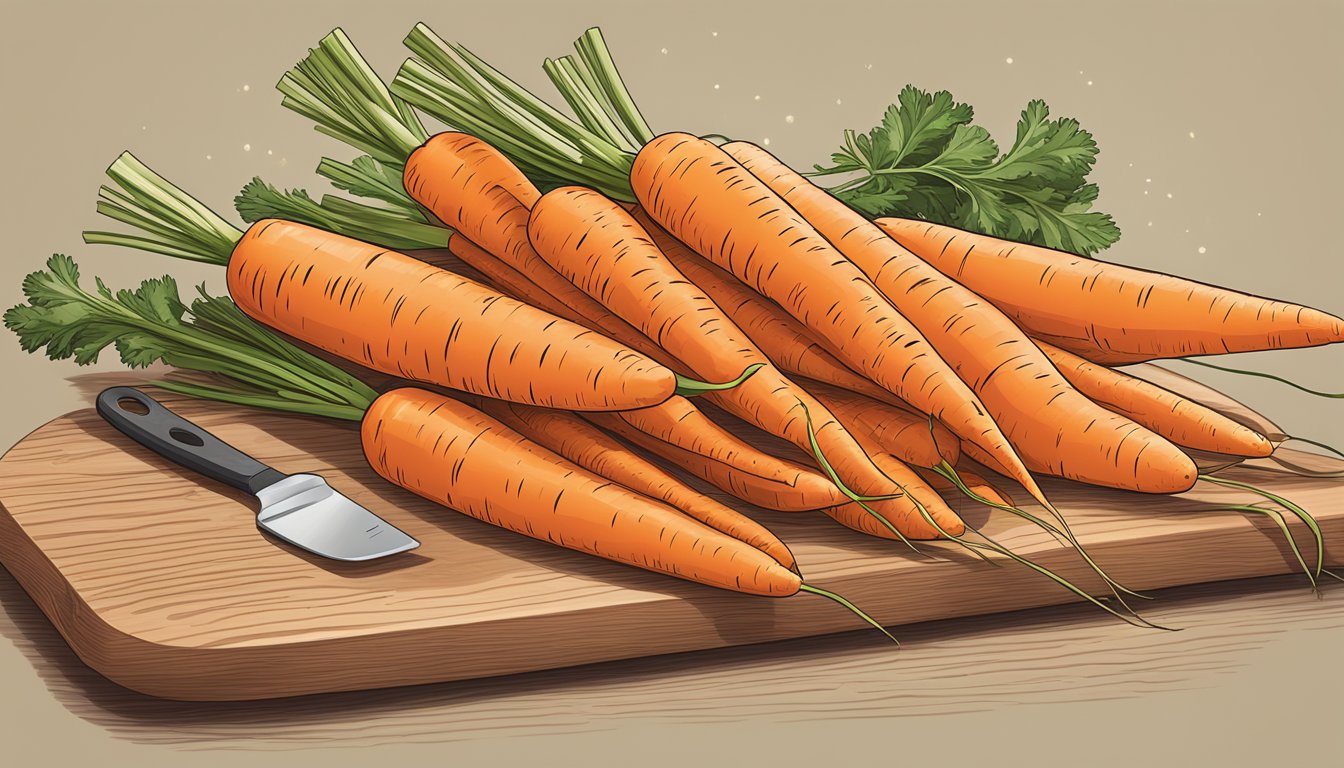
x=448, y=452
x=601, y=249
x=382, y=309
x=1110, y=313
x=904, y=517
x=710, y=202
x=883, y=428
x=977, y=485
x=1180, y=420
x=397, y=315
x=596, y=451
x=675, y=430
x=473, y=189
x=783, y=339
x=511, y=282
x=700, y=446
x=1053, y=427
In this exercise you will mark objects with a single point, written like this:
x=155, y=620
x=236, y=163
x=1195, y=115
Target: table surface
x=1253, y=678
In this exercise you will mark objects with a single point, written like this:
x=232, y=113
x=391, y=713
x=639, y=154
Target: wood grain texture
x=1028, y=661
x=160, y=580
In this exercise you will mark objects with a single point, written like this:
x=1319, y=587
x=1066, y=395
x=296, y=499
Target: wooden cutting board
x=160, y=580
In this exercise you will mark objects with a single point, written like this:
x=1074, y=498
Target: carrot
x=476, y=191
x=511, y=282
x=589, y=447
x=385, y=310
x=922, y=507
x=600, y=248
x=707, y=200
x=473, y=188
x=397, y=315
x=1110, y=313
x=883, y=428
x=974, y=482
x=1183, y=421
x=675, y=430
x=703, y=448
x=783, y=339
x=451, y=453
x=1053, y=427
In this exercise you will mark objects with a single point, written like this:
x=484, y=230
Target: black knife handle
x=175, y=438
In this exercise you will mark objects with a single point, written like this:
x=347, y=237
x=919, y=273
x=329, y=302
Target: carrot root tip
x=829, y=595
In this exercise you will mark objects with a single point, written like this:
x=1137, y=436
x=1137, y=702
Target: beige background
x=188, y=86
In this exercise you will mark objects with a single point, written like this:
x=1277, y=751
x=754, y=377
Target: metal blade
x=306, y=512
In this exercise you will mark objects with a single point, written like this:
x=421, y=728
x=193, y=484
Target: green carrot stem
x=390, y=228
x=456, y=86
x=239, y=397
x=170, y=221
x=335, y=87
x=597, y=56
x=517, y=101
x=366, y=177
x=577, y=88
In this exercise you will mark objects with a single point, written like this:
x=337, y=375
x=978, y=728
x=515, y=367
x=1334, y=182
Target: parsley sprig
x=928, y=160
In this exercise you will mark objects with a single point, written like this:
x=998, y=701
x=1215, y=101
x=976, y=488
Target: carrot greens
x=928, y=160
x=211, y=335
x=389, y=227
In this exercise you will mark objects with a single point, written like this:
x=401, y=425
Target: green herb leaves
x=391, y=227
x=70, y=322
x=927, y=160
x=151, y=324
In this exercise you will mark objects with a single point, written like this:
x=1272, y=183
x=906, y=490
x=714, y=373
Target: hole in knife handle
x=131, y=405
x=183, y=436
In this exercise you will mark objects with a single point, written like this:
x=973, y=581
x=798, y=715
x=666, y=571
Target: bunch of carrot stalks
x=619, y=303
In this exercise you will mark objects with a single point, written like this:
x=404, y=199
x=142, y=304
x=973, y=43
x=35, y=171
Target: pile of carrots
x=599, y=360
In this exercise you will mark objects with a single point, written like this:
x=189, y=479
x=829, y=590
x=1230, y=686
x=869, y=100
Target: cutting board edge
x=222, y=673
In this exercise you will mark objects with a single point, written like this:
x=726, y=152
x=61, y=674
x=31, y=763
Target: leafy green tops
x=928, y=160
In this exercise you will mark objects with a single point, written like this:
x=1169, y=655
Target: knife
x=299, y=509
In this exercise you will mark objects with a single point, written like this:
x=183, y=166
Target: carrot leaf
x=388, y=227
x=152, y=324
x=366, y=177
x=928, y=160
